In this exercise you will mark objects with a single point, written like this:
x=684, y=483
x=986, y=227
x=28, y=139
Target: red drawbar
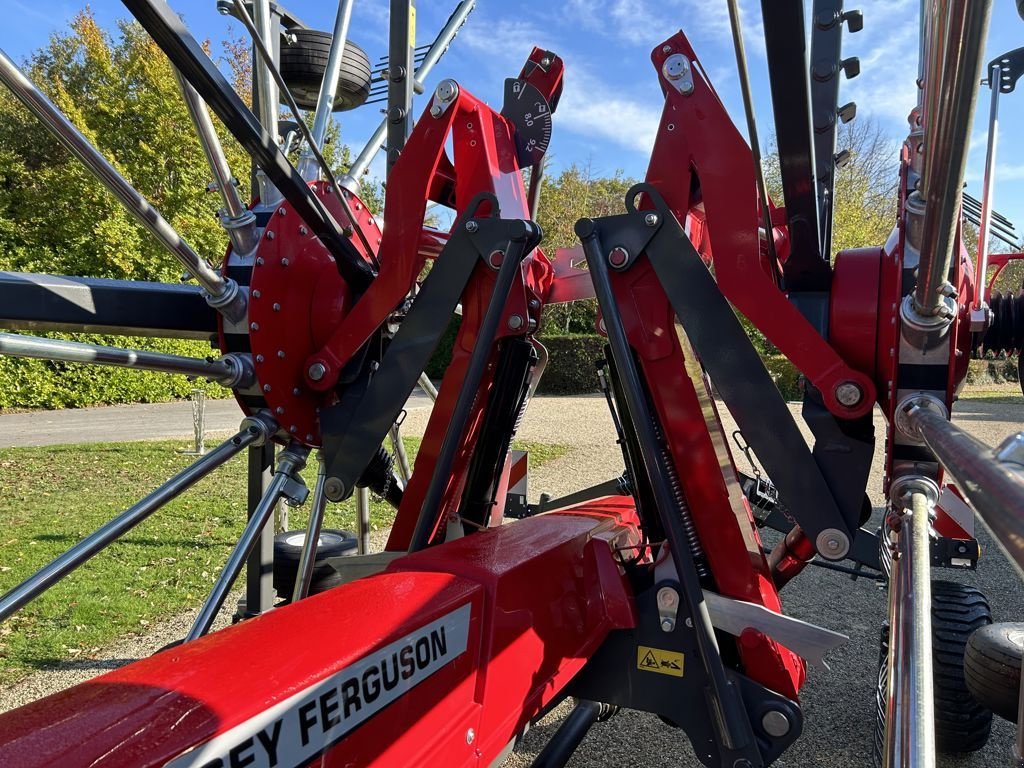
x=528, y=602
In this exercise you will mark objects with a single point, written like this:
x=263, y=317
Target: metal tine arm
x=231, y=370
x=237, y=220
x=289, y=463
x=253, y=431
x=224, y=294
x=311, y=141
x=329, y=84
x=188, y=56
x=307, y=559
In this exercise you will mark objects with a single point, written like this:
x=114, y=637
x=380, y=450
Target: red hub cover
x=296, y=300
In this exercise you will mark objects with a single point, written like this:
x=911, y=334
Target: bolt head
x=676, y=66
x=303, y=231
x=618, y=257
x=472, y=226
x=832, y=544
x=515, y=322
x=775, y=723
x=651, y=219
x=317, y=371
x=446, y=90
x=470, y=735
x=666, y=49
x=667, y=625
x=435, y=111
x=849, y=394
x=668, y=597
x=334, y=489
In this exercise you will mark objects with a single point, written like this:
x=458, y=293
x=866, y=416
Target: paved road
x=838, y=704
x=119, y=423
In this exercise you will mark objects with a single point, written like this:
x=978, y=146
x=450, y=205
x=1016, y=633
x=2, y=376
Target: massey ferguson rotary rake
x=652, y=592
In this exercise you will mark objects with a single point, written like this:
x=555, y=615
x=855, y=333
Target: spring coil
x=1006, y=333
x=696, y=550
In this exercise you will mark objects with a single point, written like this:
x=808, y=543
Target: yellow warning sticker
x=658, y=660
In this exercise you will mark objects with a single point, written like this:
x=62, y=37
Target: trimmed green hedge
x=30, y=383
x=571, y=369
x=993, y=371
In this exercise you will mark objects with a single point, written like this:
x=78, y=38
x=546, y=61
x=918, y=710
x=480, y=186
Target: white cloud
x=592, y=109
x=886, y=86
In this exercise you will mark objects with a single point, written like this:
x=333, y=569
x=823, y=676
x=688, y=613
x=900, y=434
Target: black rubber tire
x=992, y=667
x=288, y=549
x=304, y=61
x=962, y=724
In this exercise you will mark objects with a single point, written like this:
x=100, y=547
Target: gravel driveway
x=838, y=703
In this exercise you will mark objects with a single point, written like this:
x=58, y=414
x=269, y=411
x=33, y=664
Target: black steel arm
x=188, y=56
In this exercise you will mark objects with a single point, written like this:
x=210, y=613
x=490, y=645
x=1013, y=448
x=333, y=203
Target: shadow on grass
x=140, y=542
x=53, y=664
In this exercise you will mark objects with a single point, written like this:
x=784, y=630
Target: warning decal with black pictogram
x=659, y=660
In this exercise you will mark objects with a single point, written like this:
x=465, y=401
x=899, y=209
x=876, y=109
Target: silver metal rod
x=307, y=558
x=398, y=448
x=237, y=220
x=443, y=40
x=363, y=520
x=984, y=227
x=332, y=73
x=266, y=90
x=428, y=386
x=993, y=484
x=50, y=574
x=224, y=294
x=952, y=71
x=755, y=146
x=289, y=462
x=265, y=83
x=311, y=143
x=229, y=370
x=434, y=54
x=910, y=715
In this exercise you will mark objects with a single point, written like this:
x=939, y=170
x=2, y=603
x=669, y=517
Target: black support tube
x=517, y=250
x=724, y=700
x=569, y=736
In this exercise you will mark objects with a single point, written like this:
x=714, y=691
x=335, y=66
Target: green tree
x=120, y=91
x=576, y=192
x=122, y=95
x=865, y=188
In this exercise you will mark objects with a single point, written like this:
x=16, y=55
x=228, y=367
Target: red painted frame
x=543, y=592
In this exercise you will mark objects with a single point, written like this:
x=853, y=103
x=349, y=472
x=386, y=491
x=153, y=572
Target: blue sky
x=609, y=112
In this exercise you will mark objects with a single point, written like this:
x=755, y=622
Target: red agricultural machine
x=653, y=592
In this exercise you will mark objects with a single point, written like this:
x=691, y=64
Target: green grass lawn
x=993, y=393
x=52, y=497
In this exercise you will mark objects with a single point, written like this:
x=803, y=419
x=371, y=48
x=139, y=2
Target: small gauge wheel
x=528, y=110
